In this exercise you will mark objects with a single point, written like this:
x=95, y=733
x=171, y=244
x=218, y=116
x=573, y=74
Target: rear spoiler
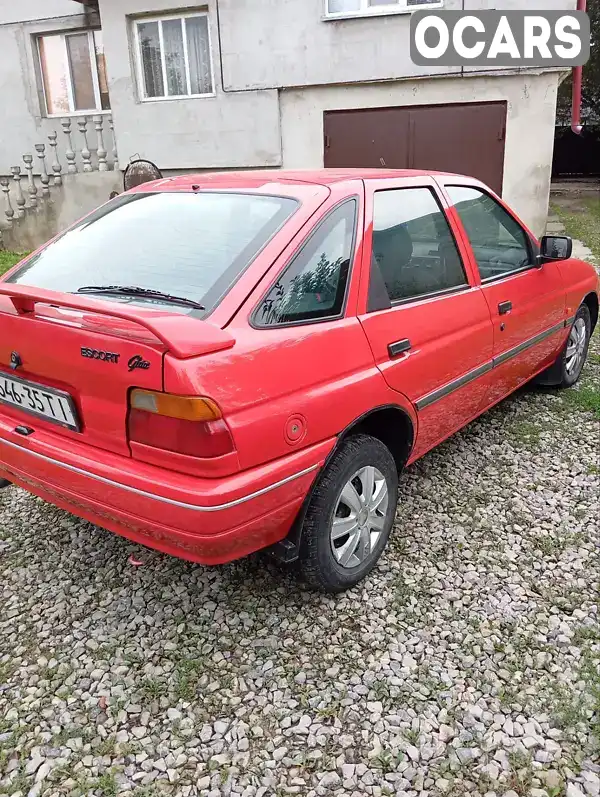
x=183, y=336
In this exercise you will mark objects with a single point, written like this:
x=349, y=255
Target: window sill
x=178, y=98
x=384, y=12
x=75, y=114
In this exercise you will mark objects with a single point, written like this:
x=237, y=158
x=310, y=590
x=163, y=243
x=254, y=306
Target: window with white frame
x=358, y=8
x=174, y=58
x=73, y=72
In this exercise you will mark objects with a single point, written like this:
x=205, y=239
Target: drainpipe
x=576, y=125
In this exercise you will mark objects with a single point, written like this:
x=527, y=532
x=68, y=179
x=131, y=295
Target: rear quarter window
x=313, y=286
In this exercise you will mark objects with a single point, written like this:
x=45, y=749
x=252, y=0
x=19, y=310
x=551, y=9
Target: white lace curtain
x=180, y=81
x=199, y=55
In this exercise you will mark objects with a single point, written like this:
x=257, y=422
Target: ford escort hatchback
x=218, y=364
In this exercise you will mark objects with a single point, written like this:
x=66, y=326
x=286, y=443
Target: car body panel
x=537, y=296
x=203, y=506
x=455, y=342
x=450, y=337
x=148, y=529
x=580, y=280
x=50, y=345
x=288, y=394
x=291, y=374
x=538, y=314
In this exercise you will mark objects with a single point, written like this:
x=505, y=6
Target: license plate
x=53, y=405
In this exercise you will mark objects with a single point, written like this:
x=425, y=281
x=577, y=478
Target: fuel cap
x=295, y=429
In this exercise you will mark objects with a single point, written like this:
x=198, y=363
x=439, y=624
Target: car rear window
x=192, y=245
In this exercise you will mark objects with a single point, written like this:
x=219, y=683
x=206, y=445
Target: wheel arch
x=389, y=423
x=591, y=300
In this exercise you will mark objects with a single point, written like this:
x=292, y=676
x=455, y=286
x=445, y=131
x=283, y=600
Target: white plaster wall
x=287, y=43
x=11, y=11
x=78, y=196
x=269, y=43
x=520, y=5
x=283, y=43
x=228, y=130
x=23, y=123
x=529, y=134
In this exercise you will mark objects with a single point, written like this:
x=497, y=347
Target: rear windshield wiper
x=134, y=290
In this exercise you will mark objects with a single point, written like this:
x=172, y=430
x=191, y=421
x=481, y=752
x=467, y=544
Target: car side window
x=499, y=243
x=313, y=286
x=413, y=246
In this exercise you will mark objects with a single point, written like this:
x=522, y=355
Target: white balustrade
x=100, y=149
x=115, y=154
x=17, y=202
x=44, y=179
x=5, y=186
x=69, y=153
x=56, y=167
x=31, y=186
x=20, y=198
x=85, y=152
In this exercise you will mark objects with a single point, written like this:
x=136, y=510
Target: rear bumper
x=210, y=521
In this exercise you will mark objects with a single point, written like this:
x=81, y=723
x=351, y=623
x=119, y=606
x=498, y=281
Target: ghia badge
x=15, y=360
x=138, y=362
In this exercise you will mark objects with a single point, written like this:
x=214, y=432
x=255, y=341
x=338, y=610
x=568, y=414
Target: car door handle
x=504, y=308
x=398, y=348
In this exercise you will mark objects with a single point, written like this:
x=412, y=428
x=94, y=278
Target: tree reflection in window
x=313, y=286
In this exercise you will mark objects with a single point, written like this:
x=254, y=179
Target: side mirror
x=555, y=247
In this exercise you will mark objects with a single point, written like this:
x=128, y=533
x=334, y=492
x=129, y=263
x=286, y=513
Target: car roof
x=259, y=178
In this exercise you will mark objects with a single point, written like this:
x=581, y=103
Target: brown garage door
x=467, y=139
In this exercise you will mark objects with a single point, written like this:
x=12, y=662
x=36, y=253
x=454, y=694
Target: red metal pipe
x=576, y=125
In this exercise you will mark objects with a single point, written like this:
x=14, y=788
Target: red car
x=217, y=364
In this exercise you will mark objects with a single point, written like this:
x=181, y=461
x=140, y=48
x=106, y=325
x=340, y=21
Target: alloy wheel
x=359, y=517
x=576, y=347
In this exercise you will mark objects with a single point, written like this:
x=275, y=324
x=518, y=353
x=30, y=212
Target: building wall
x=286, y=43
x=23, y=124
x=282, y=67
x=228, y=130
x=529, y=131
x=78, y=196
x=33, y=10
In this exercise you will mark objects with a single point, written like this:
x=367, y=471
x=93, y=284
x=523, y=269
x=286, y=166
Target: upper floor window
x=499, y=243
x=174, y=56
x=357, y=8
x=73, y=72
x=413, y=245
x=313, y=286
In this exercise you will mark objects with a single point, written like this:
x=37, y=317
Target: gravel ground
x=468, y=663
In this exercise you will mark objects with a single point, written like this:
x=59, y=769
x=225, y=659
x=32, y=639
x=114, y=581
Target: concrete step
x=555, y=228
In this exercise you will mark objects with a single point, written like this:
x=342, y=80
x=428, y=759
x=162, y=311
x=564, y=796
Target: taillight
x=184, y=424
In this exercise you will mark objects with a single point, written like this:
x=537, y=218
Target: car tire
x=360, y=483
x=4, y=483
x=567, y=368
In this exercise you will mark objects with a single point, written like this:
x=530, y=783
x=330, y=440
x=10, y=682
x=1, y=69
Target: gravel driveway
x=467, y=663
